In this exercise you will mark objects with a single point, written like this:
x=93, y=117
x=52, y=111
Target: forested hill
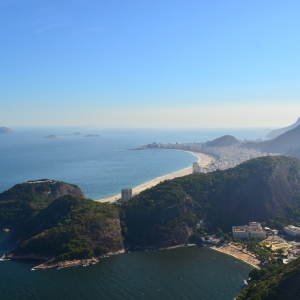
x=224, y=141
x=280, y=282
x=70, y=228
x=168, y=213
x=23, y=201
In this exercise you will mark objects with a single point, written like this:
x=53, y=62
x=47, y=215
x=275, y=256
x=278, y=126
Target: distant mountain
x=224, y=141
x=75, y=133
x=294, y=152
x=5, y=130
x=273, y=134
x=91, y=135
x=53, y=136
x=283, y=144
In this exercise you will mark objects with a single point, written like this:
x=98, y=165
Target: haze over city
x=150, y=64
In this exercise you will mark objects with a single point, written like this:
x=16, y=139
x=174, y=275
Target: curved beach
x=245, y=256
x=203, y=160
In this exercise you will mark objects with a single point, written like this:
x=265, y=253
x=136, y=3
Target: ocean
x=101, y=167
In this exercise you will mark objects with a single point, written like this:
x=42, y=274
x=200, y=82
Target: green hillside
x=23, y=201
x=70, y=228
x=168, y=213
x=280, y=282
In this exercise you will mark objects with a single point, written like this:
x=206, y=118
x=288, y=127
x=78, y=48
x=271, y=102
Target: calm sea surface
x=102, y=166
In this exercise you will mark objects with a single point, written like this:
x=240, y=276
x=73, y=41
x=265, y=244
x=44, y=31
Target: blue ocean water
x=100, y=166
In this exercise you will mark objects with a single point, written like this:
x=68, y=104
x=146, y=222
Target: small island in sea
x=5, y=130
x=53, y=136
x=75, y=133
x=91, y=135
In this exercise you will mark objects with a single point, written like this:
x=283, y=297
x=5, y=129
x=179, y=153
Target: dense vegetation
x=265, y=256
x=290, y=215
x=281, y=282
x=171, y=213
x=23, y=201
x=71, y=228
x=168, y=214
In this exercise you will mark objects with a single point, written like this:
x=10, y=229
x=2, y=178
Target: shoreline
x=234, y=252
x=203, y=159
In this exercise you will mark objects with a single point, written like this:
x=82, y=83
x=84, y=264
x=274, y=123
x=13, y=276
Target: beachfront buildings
x=292, y=230
x=126, y=194
x=253, y=230
x=197, y=168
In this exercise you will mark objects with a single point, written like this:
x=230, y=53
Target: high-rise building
x=126, y=194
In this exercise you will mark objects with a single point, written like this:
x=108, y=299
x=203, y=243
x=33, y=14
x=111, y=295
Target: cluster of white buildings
x=253, y=230
x=225, y=157
x=292, y=230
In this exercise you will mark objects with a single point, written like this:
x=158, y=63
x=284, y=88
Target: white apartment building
x=254, y=230
x=292, y=230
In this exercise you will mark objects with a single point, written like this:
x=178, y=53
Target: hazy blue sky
x=150, y=63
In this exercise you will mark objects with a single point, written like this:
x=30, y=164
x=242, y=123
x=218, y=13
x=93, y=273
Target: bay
x=182, y=273
x=101, y=166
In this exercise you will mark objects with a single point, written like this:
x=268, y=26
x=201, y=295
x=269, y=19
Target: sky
x=158, y=63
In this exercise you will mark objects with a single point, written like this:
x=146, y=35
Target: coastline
x=203, y=159
x=238, y=254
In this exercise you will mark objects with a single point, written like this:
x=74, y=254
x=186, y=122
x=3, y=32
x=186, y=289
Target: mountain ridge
x=275, y=133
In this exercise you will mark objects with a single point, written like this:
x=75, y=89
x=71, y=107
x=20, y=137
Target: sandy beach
x=246, y=257
x=203, y=159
